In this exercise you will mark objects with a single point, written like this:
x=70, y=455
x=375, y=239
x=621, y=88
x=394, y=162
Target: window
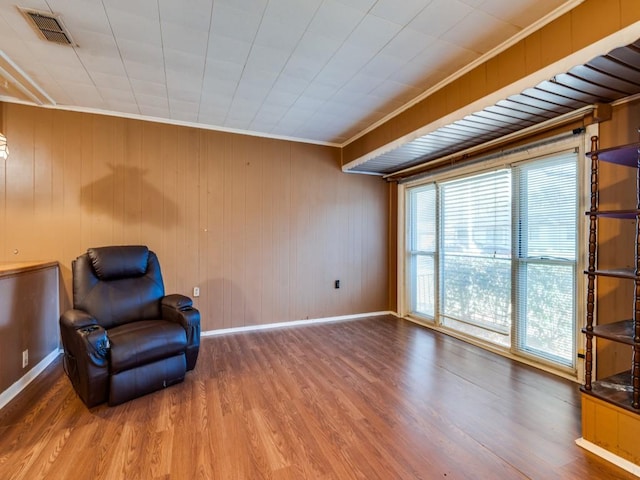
x=492, y=255
x=546, y=206
x=422, y=249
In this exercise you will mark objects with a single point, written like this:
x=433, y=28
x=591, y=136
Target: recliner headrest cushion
x=115, y=262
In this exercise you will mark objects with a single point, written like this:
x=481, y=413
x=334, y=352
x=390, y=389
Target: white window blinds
x=475, y=220
x=546, y=206
x=422, y=249
x=493, y=256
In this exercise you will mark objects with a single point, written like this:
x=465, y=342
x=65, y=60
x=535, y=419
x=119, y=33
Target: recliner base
x=129, y=384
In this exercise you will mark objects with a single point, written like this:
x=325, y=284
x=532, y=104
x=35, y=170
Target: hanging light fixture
x=4, y=148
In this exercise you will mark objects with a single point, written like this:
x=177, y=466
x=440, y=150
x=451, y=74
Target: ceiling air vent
x=50, y=26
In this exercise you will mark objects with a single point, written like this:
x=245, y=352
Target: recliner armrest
x=177, y=301
x=75, y=319
x=86, y=355
x=83, y=335
x=179, y=308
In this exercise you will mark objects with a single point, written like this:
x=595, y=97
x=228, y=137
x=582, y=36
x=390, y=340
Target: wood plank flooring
x=377, y=398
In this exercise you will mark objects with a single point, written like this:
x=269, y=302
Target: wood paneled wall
x=28, y=318
x=262, y=226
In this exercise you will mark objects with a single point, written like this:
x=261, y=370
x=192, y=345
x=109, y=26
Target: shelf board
x=621, y=332
x=615, y=272
x=626, y=155
x=615, y=389
x=623, y=214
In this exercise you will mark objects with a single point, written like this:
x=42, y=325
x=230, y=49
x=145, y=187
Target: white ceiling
x=315, y=70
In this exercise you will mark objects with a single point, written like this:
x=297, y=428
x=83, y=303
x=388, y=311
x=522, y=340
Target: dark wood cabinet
x=623, y=388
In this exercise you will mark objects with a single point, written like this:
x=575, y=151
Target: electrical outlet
x=25, y=358
x=196, y=291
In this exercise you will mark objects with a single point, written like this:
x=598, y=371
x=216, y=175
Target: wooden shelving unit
x=623, y=388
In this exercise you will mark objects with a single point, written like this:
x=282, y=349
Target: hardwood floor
x=376, y=398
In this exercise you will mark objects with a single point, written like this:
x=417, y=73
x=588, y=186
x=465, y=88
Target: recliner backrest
x=118, y=284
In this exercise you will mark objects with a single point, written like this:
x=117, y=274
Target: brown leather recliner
x=124, y=338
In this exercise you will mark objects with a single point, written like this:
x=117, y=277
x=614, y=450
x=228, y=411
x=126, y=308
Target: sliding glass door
x=492, y=255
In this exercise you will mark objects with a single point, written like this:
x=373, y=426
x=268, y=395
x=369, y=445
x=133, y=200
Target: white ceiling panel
x=263, y=58
x=184, y=39
x=480, y=32
x=319, y=90
x=188, y=63
x=336, y=74
x=193, y=15
x=320, y=70
x=308, y=103
x=279, y=35
x=214, y=102
x=150, y=100
x=351, y=57
x=93, y=44
x=117, y=94
x=144, y=71
x=290, y=84
x=281, y=98
x=335, y=20
x=148, y=88
x=110, y=81
x=231, y=20
x=362, y=5
x=301, y=66
x=228, y=49
x=127, y=26
x=245, y=5
x=439, y=16
x=182, y=105
x=253, y=93
x=397, y=12
x=373, y=33
x=140, y=8
x=407, y=44
x=178, y=93
x=85, y=95
x=111, y=65
x=215, y=89
x=88, y=16
x=143, y=53
x=293, y=12
x=274, y=111
x=362, y=84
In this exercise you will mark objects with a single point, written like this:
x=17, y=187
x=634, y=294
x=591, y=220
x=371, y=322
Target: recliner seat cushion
x=136, y=343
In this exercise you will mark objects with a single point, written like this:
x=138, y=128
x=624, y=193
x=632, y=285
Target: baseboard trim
x=293, y=323
x=11, y=392
x=610, y=457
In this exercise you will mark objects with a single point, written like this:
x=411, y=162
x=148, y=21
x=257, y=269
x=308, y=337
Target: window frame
x=549, y=147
